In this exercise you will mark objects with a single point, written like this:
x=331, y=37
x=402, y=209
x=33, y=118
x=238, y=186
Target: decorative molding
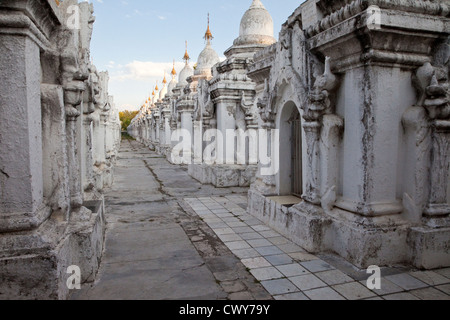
x=356, y=7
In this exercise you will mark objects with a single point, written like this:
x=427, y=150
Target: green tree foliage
x=126, y=117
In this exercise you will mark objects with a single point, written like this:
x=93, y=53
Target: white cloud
x=144, y=70
x=133, y=83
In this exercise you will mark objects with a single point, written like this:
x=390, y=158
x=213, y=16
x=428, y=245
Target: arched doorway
x=290, y=175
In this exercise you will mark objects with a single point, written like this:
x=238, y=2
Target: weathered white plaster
x=51, y=208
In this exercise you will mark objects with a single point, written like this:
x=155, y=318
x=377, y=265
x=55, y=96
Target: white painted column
x=157, y=130
x=21, y=185
x=198, y=142
x=167, y=131
x=225, y=121
x=188, y=131
x=162, y=129
x=371, y=147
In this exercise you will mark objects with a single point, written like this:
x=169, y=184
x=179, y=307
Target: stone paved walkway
x=156, y=247
x=169, y=237
x=290, y=273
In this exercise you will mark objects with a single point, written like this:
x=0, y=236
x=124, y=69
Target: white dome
x=206, y=60
x=163, y=92
x=256, y=26
x=184, y=74
x=172, y=85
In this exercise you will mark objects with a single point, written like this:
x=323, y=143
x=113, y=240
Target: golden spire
x=186, y=55
x=174, y=72
x=164, y=80
x=156, y=88
x=153, y=93
x=208, y=34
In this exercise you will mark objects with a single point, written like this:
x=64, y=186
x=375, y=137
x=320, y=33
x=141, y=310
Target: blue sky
x=137, y=40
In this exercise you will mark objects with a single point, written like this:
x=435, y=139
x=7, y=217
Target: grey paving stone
x=259, y=243
x=251, y=236
x=246, y=253
x=317, y=266
x=252, y=222
x=255, y=263
x=219, y=211
x=224, y=231
x=292, y=270
x=296, y=296
x=333, y=277
x=303, y=257
x=268, y=273
x=230, y=237
x=387, y=287
x=248, y=217
x=224, y=215
x=406, y=281
x=280, y=259
x=209, y=216
x=290, y=248
x=214, y=220
x=261, y=227
x=217, y=225
x=430, y=294
x=269, y=251
x=240, y=230
x=279, y=240
x=202, y=212
x=237, y=245
x=323, y=294
x=444, y=288
x=353, y=291
x=230, y=220
x=236, y=224
x=307, y=282
x=269, y=234
x=400, y=296
x=279, y=286
x=444, y=272
x=430, y=277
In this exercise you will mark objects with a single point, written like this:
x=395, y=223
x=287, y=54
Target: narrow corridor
x=170, y=237
x=156, y=247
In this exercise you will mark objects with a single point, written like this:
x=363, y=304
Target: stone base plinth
x=33, y=265
x=363, y=241
x=224, y=176
x=430, y=247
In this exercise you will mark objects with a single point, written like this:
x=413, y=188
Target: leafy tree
x=126, y=117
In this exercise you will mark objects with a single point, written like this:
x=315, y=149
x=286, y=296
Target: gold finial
x=156, y=88
x=153, y=93
x=208, y=34
x=174, y=72
x=186, y=55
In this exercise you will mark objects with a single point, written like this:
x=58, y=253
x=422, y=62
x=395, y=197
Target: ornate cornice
x=349, y=9
x=262, y=64
x=403, y=38
x=40, y=17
